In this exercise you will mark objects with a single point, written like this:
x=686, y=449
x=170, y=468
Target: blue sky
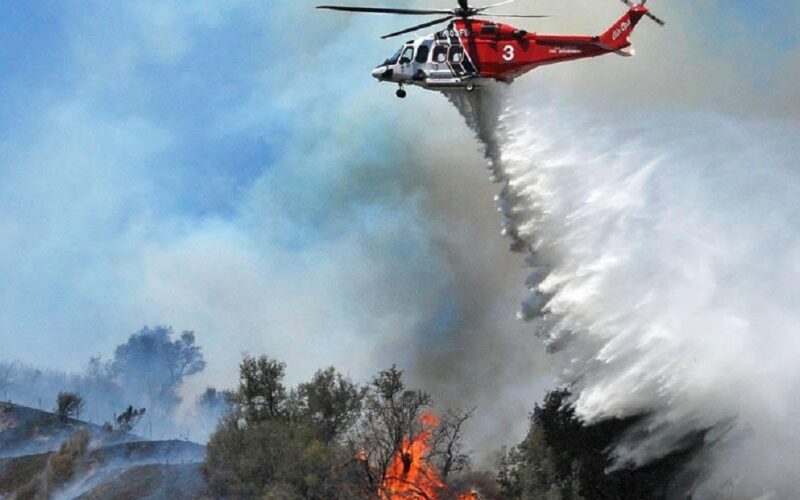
x=231, y=168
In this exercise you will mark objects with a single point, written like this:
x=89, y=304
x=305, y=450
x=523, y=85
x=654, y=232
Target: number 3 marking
x=508, y=52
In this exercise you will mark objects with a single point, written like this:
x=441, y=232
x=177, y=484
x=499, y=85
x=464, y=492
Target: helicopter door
x=439, y=66
x=421, y=68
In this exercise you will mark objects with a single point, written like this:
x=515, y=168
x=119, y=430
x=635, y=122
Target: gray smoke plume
x=664, y=268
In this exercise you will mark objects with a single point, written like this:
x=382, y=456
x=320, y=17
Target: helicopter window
x=440, y=53
x=394, y=58
x=407, y=56
x=422, y=54
x=456, y=54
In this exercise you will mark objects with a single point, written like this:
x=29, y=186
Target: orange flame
x=410, y=476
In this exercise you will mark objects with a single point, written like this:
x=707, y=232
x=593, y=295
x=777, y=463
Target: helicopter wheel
x=400, y=93
x=470, y=87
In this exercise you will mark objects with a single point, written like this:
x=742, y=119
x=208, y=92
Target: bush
x=129, y=419
x=69, y=404
x=272, y=456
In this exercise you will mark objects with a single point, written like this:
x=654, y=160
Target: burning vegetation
x=410, y=473
x=414, y=472
x=330, y=438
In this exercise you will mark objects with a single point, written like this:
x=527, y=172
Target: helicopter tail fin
x=616, y=37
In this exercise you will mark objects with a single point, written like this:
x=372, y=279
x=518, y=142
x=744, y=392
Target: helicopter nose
x=382, y=73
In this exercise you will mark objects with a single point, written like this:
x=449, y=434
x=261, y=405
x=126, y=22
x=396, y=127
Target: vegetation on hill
x=327, y=438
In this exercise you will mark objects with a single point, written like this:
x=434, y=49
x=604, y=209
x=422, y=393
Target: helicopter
x=468, y=53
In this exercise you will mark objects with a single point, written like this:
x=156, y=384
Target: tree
x=331, y=402
x=447, y=449
x=209, y=407
x=151, y=363
x=213, y=399
x=394, y=416
x=261, y=394
x=391, y=414
x=69, y=404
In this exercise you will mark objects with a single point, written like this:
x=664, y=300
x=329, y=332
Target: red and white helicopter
x=470, y=52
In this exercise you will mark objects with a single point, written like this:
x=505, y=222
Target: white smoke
x=666, y=265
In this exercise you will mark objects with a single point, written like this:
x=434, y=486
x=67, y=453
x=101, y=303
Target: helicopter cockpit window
x=456, y=54
x=422, y=54
x=408, y=55
x=440, y=54
x=394, y=58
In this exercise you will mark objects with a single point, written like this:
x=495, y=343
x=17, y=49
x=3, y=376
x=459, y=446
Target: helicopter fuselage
x=471, y=52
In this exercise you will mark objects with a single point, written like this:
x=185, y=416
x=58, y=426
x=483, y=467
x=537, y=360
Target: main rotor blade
x=464, y=5
x=419, y=26
x=513, y=15
x=498, y=4
x=382, y=10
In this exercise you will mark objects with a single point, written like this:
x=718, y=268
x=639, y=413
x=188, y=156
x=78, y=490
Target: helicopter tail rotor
x=647, y=13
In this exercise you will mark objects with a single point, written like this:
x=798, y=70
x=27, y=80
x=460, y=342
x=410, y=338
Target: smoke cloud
x=188, y=165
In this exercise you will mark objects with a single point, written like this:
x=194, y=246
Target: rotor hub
x=465, y=13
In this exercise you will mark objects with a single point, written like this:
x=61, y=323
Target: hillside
x=43, y=454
